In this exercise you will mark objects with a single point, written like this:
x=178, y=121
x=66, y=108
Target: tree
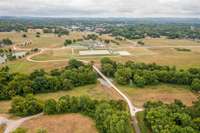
x=108, y=69
x=67, y=84
x=64, y=104
x=38, y=35
x=50, y=106
x=150, y=78
x=106, y=60
x=172, y=118
x=20, y=130
x=24, y=35
x=75, y=63
x=92, y=37
x=61, y=31
x=123, y=76
x=37, y=73
x=140, y=42
x=196, y=85
x=67, y=42
x=20, y=85
x=41, y=130
x=7, y=41
x=139, y=81
x=40, y=84
x=107, y=41
x=26, y=106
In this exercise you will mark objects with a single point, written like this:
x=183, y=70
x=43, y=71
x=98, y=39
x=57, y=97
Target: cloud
x=101, y=8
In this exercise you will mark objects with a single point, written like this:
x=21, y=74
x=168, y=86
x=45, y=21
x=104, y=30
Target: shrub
x=29, y=105
x=20, y=130
x=50, y=106
x=41, y=130
x=196, y=85
x=139, y=81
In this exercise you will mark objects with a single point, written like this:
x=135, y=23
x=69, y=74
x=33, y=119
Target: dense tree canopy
x=29, y=105
x=110, y=116
x=172, y=118
x=141, y=74
x=39, y=81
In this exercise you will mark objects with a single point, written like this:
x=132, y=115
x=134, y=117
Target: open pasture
x=163, y=92
x=172, y=57
x=170, y=42
x=69, y=123
x=95, y=91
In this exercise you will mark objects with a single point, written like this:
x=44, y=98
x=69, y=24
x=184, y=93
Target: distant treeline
x=141, y=74
x=39, y=81
x=172, y=31
x=127, y=28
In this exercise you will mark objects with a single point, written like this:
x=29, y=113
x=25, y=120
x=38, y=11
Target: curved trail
x=11, y=125
x=133, y=110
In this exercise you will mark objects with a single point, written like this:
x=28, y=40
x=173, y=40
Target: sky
x=100, y=8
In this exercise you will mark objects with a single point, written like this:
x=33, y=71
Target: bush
x=20, y=130
x=139, y=81
x=7, y=41
x=26, y=106
x=172, y=118
x=41, y=130
x=50, y=107
x=150, y=74
x=110, y=116
x=74, y=75
x=68, y=42
x=38, y=35
x=196, y=85
x=24, y=35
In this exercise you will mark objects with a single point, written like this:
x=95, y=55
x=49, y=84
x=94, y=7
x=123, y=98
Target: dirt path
x=133, y=110
x=11, y=125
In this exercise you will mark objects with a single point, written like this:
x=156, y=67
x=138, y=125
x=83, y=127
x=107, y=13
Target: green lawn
x=24, y=66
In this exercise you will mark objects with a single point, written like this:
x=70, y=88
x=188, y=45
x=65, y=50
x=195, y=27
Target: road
x=133, y=110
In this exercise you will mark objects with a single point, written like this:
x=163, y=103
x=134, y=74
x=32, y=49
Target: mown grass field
x=94, y=91
x=69, y=123
x=24, y=66
x=164, y=92
x=54, y=55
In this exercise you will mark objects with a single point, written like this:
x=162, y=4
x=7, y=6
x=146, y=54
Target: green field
x=24, y=66
x=95, y=91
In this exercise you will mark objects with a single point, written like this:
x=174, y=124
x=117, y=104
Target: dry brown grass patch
x=70, y=123
x=164, y=92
